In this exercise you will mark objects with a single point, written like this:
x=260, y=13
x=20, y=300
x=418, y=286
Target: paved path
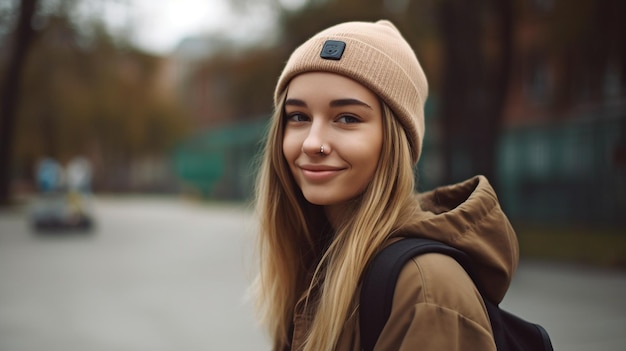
x=583, y=308
x=166, y=274
x=155, y=275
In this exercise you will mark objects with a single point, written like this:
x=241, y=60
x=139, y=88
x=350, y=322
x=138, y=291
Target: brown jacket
x=436, y=306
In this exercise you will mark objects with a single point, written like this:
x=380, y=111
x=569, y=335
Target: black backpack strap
x=380, y=277
x=379, y=282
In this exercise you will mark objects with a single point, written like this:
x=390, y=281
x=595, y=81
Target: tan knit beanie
x=375, y=55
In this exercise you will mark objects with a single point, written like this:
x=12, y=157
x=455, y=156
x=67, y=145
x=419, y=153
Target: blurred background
x=173, y=97
x=102, y=101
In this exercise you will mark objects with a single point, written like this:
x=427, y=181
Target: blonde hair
x=293, y=261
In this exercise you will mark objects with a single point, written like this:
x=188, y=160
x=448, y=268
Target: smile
x=319, y=174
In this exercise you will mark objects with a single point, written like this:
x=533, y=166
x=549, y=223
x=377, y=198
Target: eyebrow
x=295, y=102
x=348, y=102
x=333, y=103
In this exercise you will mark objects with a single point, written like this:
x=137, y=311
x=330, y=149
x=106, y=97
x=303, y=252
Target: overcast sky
x=159, y=25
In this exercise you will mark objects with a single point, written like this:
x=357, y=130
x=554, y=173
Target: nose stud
x=322, y=149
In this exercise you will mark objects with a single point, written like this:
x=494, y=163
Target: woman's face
x=329, y=110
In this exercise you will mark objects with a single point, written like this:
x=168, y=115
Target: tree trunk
x=474, y=86
x=23, y=37
x=500, y=70
x=461, y=82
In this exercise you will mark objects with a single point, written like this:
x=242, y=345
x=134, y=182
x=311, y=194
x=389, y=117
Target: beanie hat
x=378, y=57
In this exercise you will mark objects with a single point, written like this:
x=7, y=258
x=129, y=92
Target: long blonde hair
x=291, y=229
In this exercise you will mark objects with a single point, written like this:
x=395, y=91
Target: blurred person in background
x=79, y=175
x=78, y=172
x=50, y=176
x=63, y=201
x=337, y=184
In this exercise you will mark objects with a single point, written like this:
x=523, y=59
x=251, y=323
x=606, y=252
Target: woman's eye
x=297, y=117
x=347, y=119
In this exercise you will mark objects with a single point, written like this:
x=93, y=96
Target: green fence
x=567, y=171
x=220, y=162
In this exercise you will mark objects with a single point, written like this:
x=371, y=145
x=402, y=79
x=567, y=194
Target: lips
x=319, y=173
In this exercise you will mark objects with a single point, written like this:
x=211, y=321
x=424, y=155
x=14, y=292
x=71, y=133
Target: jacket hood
x=468, y=216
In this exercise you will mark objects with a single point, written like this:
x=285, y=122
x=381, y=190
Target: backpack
x=511, y=333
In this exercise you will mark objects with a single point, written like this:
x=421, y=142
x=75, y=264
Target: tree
x=477, y=40
x=84, y=92
x=22, y=42
x=95, y=97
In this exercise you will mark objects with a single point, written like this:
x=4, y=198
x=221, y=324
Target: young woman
x=336, y=185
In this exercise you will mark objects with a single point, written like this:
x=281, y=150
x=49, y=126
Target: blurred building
x=562, y=151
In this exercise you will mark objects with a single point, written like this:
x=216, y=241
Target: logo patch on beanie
x=332, y=49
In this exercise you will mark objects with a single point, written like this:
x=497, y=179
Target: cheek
x=369, y=162
x=291, y=147
x=373, y=155
x=364, y=159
